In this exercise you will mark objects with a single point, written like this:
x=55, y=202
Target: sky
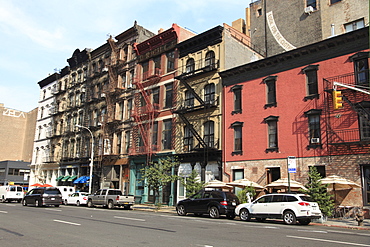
x=37, y=37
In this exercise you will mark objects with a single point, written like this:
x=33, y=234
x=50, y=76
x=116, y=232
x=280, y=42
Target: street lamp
x=92, y=154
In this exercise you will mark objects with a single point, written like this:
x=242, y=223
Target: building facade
x=282, y=106
x=200, y=100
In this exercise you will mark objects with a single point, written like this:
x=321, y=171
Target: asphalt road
x=81, y=226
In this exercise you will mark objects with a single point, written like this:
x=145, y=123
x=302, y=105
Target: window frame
x=238, y=99
x=312, y=82
x=270, y=83
x=238, y=138
x=210, y=94
x=314, y=128
x=272, y=134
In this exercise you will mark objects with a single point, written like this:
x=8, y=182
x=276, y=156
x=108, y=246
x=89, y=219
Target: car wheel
x=214, y=213
x=78, y=203
x=56, y=205
x=110, y=205
x=181, y=210
x=37, y=203
x=304, y=222
x=65, y=202
x=24, y=203
x=289, y=218
x=127, y=207
x=244, y=215
x=261, y=219
x=90, y=204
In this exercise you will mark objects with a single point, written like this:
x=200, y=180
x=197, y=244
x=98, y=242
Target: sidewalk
x=331, y=222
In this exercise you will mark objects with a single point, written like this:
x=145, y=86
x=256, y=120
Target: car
x=77, y=198
x=287, y=206
x=43, y=196
x=214, y=203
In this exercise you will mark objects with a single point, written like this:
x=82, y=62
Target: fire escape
x=189, y=72
x=144, y=112
x=342, y=130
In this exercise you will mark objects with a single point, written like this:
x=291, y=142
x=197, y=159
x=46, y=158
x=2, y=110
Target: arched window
x=209, y=93
x=209, y=133
x=190, y=65
x=210, y=59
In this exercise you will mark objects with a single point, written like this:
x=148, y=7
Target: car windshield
x=306, y=198
x=52, y=192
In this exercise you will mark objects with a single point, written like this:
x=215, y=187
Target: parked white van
x=66, y=191
x=10, y=193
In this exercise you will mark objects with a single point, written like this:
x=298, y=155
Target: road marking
x=312, y=231
x=67, y=222
x=10, y=205
x=351, y=233
x=330, y=241
x=3, y=212
x=51, y=209
x=125, y=218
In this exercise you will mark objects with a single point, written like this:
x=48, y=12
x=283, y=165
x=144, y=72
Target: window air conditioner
x=315, y=140
x=308, y=10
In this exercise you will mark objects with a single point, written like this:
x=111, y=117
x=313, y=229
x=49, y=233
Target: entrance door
x=366, y=184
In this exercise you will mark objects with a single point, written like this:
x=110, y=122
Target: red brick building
x=282, y=106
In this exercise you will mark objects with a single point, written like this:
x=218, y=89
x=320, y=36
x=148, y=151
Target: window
x=273, y=174
x=354, y=25
x=320, y=169
x=157, y=65
x=312, y=3
x=314, y=129
x=270, y=82
x=365, y=172
x=155, y=136
x=361, y=67
x=132, y=76
x=170, y=61
x=364, y=125
x=209, y=133
x=119, y=142
x=209, y=94
x=169, y=96
x=311, y=81
x=190, y=65
x=210, y=61
x=237, y=90
x=238, y=141
x=188, y=139
x=127, y=141
x=155, y=95
x=145, y=67
x=189, y=98
x=167, y=134
x=272, y=133
x=259, y=12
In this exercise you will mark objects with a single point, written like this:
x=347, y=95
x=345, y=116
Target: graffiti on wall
x=13, y=113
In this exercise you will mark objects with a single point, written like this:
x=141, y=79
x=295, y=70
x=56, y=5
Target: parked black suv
x=214, y=203
x=45, y=196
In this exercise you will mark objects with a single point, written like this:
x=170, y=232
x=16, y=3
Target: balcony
x=355, y=79
x=348, y=136
x=199, y=67
x=141, y=111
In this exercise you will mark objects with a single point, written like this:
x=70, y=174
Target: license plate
x=52, y=198
x=234, y=203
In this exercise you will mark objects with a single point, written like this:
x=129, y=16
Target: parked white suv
x=289, y=207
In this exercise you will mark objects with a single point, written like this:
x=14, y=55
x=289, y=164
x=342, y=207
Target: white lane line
x=312, y=231
x=51, y=209
x=67, y=222
x=350, y=233
x=10, y=205
x=3, y=212
x=125, y=218
x=330, y=241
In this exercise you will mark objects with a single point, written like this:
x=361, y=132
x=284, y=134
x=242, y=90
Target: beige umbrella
x=242, y=183
x=338, y=183
x=284, y=184
x=217, y=184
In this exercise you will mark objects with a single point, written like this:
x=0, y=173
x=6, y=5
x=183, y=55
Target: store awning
x=77, y=181
x=65, y=178
x=85, y=179
x=59, y=178
x=70, y=179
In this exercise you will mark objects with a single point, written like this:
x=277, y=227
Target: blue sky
x=38, y=36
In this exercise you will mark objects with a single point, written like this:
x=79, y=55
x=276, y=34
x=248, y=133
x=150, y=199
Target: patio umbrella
x=217, y=184
x=35, y=185
x=46, y=185
x=338, y=183
x=284, y=184
x=242, y=183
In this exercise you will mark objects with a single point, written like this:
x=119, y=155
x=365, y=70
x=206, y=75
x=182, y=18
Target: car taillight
x=304, y=204
x=223, y=203
x=117, y=198
x=84, y=198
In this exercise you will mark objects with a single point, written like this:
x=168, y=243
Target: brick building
x=281, y=106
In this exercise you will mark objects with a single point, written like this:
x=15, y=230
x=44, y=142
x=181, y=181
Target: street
x=82, y=226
